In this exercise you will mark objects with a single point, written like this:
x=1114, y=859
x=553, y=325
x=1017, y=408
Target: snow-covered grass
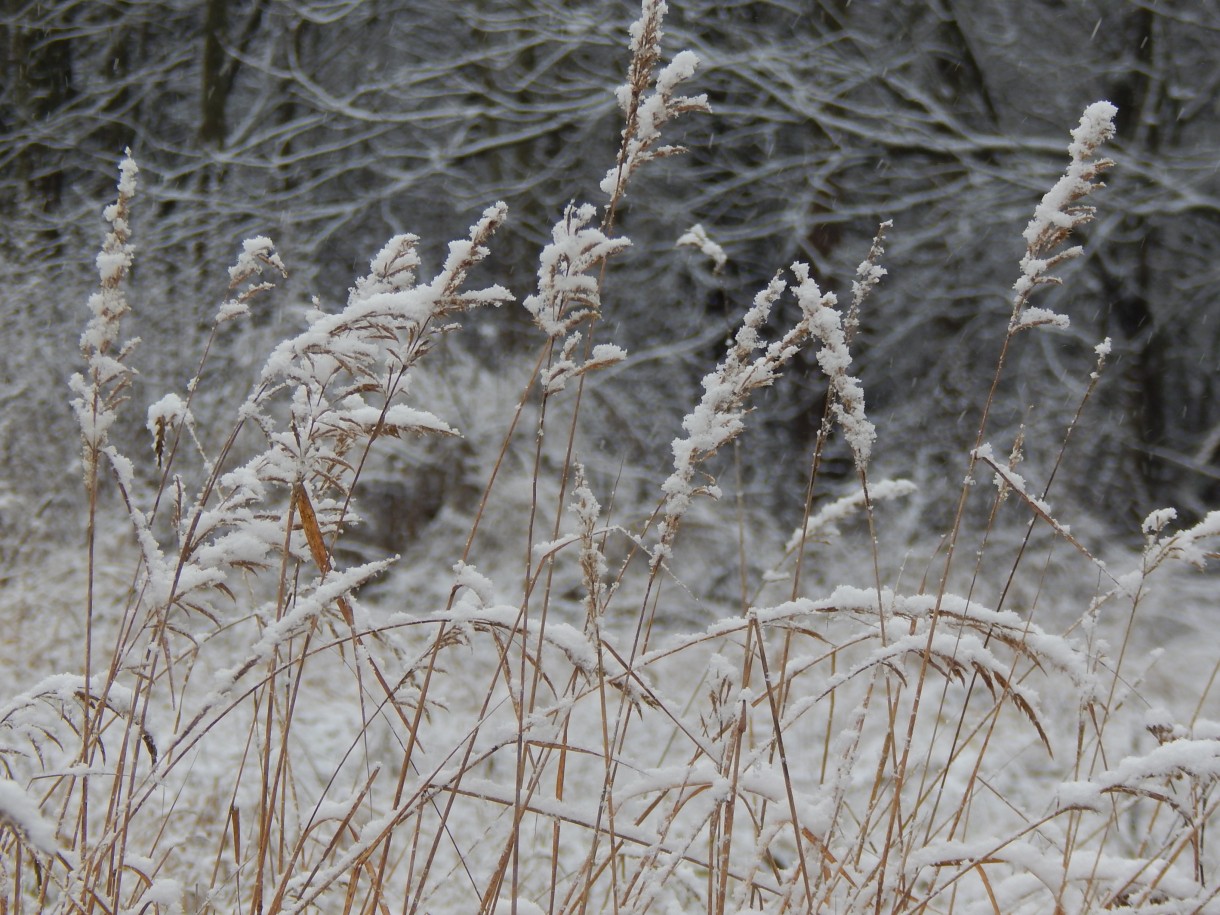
x=575, y=709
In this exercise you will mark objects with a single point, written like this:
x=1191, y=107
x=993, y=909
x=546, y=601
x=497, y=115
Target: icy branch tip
x=696, y=237
x=128, y=170
x=648, y=27
x=1096, y=127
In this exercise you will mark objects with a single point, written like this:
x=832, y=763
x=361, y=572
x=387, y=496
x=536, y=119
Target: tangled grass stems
x=271, y=733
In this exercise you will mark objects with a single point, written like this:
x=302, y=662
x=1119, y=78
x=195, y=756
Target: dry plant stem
x=974, y=861
x=1099, y=727
x=640, y=77
x=266, y=796
x=869, y=273
x=642, y=64
x=523, y=705
x=375, y=885
x=409, y=809
x=98, y=342
x=1000, y=602
x=528, y=707
x=467, y=745
x=98, y=398
x=942, y=589
x=414, y=724
x=1204, y=693
x=720, y=834
x=583, y=887
x=739, y=502
x=595, y=610
x=714, y=423
x=323, y=564
x=870, y=270
x=172, y=452
x=961, y=721
x=1050, y=481
x=322, y=560
x=86, y=730
x=778, y=731
x=613, y=742
x=685, y=821
x=505, y=443
x=815, y=464
x=523, y=625
x=1048, y=238
x=647, y=615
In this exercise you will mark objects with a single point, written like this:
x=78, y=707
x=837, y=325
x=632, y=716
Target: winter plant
x=523, y=717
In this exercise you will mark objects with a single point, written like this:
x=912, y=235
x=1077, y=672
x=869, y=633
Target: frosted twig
x=718, y=418
x=834, y=358
x=257, y=253
x=696, y=237
x=868, y=275
x=100, y=391
x=646, y=113
x=568, y=293
x=1060, y=212
x=1010, y=479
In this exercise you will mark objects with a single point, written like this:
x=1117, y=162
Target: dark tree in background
x=330, y=126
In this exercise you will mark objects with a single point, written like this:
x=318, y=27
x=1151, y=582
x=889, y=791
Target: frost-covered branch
x=1059, y=212
x=647, y=112
x=100, y=390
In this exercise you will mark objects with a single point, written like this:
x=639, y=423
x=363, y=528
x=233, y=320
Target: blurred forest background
x=330, y=125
